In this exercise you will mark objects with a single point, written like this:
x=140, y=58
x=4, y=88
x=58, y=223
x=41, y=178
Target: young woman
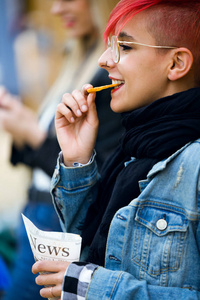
x=141, y=233
x=34, y=139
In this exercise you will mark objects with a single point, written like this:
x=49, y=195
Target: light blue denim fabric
x=153, y=247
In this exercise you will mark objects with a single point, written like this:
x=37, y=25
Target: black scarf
x=152, y=133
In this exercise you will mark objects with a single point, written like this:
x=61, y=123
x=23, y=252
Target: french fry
x=100, y=88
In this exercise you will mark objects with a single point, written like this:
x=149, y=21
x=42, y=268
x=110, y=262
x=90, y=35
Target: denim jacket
x=153, y=246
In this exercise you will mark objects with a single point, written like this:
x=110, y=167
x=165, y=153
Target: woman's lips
x=69, y=22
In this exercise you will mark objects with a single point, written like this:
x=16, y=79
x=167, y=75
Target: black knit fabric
x=152, y=133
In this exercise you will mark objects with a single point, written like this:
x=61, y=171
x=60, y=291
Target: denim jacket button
x=161, y=224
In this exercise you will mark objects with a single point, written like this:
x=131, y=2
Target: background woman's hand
x=76, y=124
x=56, y=271
x=20, y=121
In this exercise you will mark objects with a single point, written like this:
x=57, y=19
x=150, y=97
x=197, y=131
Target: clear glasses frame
x=114, y=43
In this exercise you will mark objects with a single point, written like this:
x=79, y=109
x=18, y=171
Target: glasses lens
x=108, y=43
x=115, y=49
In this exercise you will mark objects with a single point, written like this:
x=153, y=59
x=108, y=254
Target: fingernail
x=84, y=108
x=79, y=113
x=72, y=120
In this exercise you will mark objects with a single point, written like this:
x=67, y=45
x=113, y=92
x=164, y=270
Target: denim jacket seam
x=122, y=247
x=77, y=187
x=172, y=227
x=135, y=237
x=124, y=241
x=115, y=284
x=156, y=273
x=160, y=205
x=174, y=211
x=162, y=270
x=90, y=282
x=191, y=217
x=174, y=208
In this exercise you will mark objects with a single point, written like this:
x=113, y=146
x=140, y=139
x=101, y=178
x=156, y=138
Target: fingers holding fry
x=64, y=112
x=69, y=109
x=81, y=100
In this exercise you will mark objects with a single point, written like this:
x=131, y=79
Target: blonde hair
x=101, y=10
x=78, y=70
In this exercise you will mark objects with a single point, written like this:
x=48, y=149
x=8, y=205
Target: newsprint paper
x=50, y=245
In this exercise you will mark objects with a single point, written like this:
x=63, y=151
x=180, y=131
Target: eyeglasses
x=114, y=43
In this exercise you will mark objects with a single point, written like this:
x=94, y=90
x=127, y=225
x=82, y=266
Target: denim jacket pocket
x=159, y=238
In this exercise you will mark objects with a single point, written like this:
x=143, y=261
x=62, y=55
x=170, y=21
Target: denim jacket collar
x=161, y=165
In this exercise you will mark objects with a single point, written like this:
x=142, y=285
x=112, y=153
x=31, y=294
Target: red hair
x=124, y=11
x=171, y=22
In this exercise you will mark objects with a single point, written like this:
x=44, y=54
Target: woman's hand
x=53, y=280
x=20, y=121
x=76, y=124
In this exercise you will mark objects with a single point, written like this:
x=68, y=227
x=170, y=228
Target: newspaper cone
x=48, y=245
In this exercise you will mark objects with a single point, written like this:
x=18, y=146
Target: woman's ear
x=182, y=61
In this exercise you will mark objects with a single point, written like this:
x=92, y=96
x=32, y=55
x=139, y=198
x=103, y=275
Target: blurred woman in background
x=34, y=139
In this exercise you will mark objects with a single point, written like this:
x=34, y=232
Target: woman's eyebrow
x=125, y=36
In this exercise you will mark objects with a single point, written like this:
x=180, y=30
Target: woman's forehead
x=134, y=29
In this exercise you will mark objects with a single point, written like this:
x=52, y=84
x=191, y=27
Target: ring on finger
x=51, y=291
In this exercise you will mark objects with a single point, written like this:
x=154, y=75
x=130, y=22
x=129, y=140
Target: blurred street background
x=31, y=52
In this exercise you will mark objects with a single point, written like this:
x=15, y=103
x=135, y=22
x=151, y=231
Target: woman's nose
x=105, y=60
